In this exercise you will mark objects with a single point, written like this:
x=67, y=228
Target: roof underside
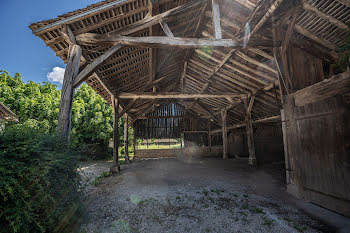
x=246, y=71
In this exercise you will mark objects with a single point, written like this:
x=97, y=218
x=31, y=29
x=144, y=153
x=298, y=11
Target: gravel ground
x=197, y=195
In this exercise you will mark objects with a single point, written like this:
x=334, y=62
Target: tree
x=92, y=116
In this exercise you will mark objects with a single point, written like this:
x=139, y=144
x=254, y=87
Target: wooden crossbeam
x=177, y=95
x=242, y=124
x=166, y=42
x=97, y=63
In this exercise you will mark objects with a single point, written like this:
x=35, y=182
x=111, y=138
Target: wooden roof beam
x=167, y=42
x=177, y=95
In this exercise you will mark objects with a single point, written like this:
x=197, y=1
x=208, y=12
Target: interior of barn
x=234, y=79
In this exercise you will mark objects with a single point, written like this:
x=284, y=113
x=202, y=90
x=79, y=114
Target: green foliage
x=39, y=181
x=92, y=116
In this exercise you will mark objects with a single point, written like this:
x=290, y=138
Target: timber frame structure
x=229, y=64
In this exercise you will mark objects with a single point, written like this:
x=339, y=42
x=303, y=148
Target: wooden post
x=67, y=93
x=249, y=130
x=134, y=144
x=285, y=143
x=224, y=133
x=209, y=135
x=115, y=105
x=126, y=138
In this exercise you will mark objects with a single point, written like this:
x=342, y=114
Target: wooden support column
x=67, y=93
x=115, y=104
x=134, y=141
x=285, y=144
x=209, y=135
x=224, y=134
x=249, y=130
x=126, y=138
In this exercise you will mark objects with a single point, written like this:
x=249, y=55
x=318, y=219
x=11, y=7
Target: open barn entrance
x=245, y=81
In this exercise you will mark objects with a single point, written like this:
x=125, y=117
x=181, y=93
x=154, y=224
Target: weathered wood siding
x=305, y=69
x=318, y=147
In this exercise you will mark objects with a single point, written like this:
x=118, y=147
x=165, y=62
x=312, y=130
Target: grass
x=155, y=146
x=98, y=180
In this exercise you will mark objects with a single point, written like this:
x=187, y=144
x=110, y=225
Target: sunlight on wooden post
x=67, y=93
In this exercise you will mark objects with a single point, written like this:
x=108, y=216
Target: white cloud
x=56, y=75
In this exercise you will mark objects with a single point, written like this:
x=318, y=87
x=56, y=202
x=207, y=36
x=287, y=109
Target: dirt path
x=201, y=195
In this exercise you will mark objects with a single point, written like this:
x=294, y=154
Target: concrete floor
x=194, y=195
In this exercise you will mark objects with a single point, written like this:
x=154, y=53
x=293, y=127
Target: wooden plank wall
x=269, y=143
x=195, y=124
x=318, y=141
x=157, y=128
x=304, y=68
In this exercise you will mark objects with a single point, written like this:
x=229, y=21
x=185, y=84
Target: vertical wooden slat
x=67, y=93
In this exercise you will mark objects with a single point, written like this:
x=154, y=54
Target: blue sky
x=21, y=51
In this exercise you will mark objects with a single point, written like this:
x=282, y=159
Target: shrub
x=39, y=182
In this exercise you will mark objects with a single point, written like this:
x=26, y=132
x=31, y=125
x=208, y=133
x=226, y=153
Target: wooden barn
x=232, y=78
